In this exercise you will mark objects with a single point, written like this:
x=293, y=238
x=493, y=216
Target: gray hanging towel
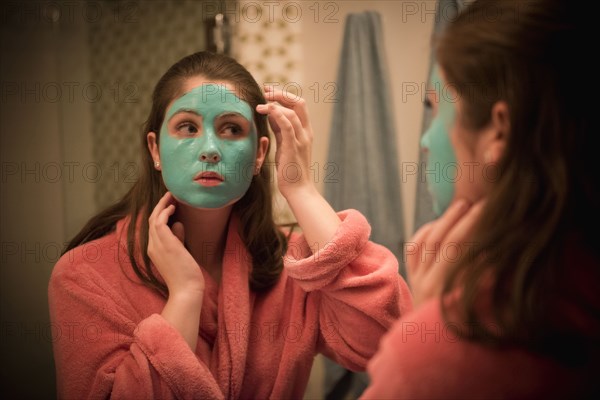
x=362, y=147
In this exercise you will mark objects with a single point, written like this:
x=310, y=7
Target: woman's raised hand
x=437, y=246
x=288, y=117
x=168, y=253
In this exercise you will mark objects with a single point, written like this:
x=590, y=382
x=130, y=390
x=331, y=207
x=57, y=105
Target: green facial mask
x=211, y=151
x=441, y=168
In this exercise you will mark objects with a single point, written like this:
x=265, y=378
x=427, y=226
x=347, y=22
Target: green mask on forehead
x=441, y=161
x=183, y=159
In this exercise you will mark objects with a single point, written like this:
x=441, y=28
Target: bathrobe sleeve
x=357, y=288
x=102, y=349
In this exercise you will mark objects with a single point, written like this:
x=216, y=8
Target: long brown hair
x=264, y=241
x=525, y=53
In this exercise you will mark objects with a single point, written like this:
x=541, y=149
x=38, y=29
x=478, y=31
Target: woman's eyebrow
x=185, y=110
x=231, y=114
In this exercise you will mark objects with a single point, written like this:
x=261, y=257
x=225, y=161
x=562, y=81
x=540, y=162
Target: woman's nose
x=210, y=156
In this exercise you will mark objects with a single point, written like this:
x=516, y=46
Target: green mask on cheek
x=441, y=160
x=232, y=158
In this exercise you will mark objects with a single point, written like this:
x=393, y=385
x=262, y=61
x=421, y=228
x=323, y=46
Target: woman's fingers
x=159, y=233
x=288, y=118
x=162, y=203
x=292, y=138
x=285, y=123
x=264, y=109
x=163, y=217
x=280, y=124
x=286, y=139
x=436, y=246
x=453, y=249
x=444, y=224
x=291, y=101
x=461, y=231
x=413, y=249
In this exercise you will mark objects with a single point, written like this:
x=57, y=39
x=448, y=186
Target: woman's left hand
x=438, y=246
x=288, y=117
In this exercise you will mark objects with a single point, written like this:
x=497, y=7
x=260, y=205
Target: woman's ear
x=261, y=153
x=153, y=148
x=499, y=133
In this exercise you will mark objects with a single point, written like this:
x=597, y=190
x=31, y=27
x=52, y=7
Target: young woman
x=507, y=280
x=187, y=289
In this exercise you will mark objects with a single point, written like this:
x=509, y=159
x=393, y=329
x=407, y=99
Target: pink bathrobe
x=114, y=342
x=422, y=358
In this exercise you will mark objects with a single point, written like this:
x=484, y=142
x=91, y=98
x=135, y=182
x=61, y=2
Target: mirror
x=76, y=83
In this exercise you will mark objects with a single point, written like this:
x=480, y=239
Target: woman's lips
x=209, y=178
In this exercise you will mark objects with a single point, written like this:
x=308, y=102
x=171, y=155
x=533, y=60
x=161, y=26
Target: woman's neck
x=205, y=234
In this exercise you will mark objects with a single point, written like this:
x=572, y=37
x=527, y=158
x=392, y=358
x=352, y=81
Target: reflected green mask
x=182, y=158
x=441, y=161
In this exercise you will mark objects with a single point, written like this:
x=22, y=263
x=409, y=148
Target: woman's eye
x=232, y=130
x=430, y=106
x=187, y=129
